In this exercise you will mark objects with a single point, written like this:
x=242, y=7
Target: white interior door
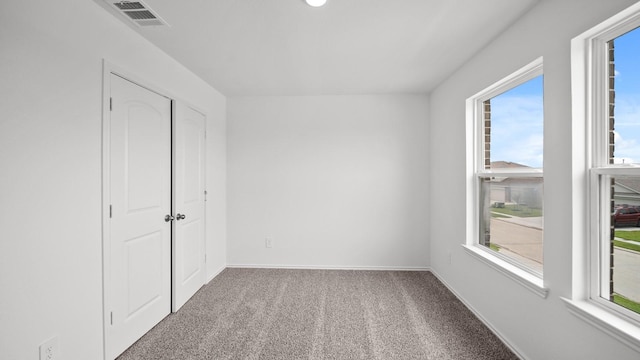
x=139, y=270
x=189, y=204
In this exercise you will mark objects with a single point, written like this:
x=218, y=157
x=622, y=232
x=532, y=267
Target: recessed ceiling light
x=316, y=3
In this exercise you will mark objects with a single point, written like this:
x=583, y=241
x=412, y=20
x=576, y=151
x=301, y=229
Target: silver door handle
x=180, y=217
x=168, y=218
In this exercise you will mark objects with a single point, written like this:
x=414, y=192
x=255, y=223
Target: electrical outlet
x=49, y=350
x=268, y=242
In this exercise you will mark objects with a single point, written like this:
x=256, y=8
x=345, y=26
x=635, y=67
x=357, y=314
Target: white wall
x=336, y=181
x=538, y=328
x=50, y=159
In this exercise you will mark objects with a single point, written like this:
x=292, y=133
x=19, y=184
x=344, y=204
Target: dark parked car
x=626, y=216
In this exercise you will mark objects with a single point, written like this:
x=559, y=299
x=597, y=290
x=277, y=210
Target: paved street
x=521, y=239
x=626, y=273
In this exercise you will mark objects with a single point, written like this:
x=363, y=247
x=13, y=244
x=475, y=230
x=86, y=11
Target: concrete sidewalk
x=536, y=222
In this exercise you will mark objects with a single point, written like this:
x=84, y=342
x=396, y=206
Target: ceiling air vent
x=138, y=12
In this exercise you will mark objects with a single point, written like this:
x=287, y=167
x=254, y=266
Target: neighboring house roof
x=506, y=164
x=630, y=184
x=520, y=182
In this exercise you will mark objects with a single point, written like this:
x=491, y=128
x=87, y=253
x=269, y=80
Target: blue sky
x=627, y=86
x=517, y=115
x=517, y=124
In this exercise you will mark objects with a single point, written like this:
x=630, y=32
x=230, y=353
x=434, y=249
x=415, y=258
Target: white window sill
x=524, y=278
x=616, y=326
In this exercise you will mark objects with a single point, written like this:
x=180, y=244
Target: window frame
x=600, y=171
x=476, y=171
x=591, y=220
x=599, y=237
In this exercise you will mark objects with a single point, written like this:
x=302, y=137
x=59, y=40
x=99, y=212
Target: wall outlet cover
x=50, y=349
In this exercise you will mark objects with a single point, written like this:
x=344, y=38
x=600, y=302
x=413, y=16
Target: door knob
x=168, y=218
x=180, y=217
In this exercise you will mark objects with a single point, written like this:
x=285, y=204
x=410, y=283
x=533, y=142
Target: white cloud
x=517, y=129
x=627, y=128
x=626, y=151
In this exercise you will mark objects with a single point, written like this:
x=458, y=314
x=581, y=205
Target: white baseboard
x=216, y=273
x=328, y=267
x=481, y=318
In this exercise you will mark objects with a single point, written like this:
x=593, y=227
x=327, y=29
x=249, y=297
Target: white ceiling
x=285, y=47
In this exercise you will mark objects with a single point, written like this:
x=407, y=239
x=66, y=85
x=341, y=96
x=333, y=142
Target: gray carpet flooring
x=321, y=314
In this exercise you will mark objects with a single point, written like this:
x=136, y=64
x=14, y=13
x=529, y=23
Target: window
x=505, y=123
x=615, y=172
x=606, y=145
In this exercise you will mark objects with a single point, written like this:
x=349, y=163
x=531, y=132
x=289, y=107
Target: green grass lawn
x=518, y=210
x=628, y=235
x=633, y=236
x=624, y=302
x=494, y=215
x=626, y=245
